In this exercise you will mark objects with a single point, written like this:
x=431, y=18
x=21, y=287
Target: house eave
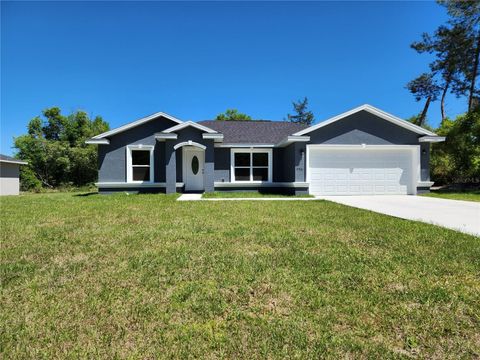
x=291, y=139
x=97, y=141
x=19, y=162
x=432, y=139
x=215, y=137
x=163, y=137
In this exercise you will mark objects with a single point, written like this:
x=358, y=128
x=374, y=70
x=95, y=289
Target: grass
x=149, y=277
x=467, y=195
x=248, y=194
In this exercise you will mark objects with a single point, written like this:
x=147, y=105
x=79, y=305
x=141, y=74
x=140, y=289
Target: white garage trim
x=415, y=151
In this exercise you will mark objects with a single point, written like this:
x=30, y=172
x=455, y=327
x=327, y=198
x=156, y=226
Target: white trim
x=262, y=184
x=187, y=124
x=18, y=162
x=136, y=123
x=163, y=137
x=216, y=137
x=293, y=138
x=189, y=143
x=431, y=139
x=250, y=151
x=134, y=185
x=245, y=145
x=98, y=142
x=129, y=149
x=416, y=165
x=373, y=110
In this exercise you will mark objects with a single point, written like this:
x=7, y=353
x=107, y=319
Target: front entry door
x=193, y=165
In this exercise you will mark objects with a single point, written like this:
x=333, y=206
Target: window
x=251, y=165
x=140, y=163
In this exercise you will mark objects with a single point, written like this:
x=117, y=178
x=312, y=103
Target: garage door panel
x=360, y=171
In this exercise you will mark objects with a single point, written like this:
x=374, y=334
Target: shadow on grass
x=87, y=194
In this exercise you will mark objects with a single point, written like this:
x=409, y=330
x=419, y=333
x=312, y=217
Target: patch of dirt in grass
x=267, y=302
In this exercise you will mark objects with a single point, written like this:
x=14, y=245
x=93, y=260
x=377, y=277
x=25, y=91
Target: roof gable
x=185, y=124
x=136, y=123
x=373, y=110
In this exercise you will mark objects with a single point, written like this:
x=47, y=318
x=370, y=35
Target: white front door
x=193, y=165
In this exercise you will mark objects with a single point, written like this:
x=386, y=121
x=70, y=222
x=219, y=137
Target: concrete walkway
x=190, y=197
x=458, y=215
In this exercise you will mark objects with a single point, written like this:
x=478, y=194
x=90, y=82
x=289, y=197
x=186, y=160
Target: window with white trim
x=251, y=165
x=140, y=163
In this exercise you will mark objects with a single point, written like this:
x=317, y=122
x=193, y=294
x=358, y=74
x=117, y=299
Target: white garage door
x=373, y=170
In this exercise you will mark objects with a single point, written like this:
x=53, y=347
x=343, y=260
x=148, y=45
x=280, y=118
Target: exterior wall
x=174, y=164
x=366, y=128
x=289, y=163
x=425, y=162
x=363, y=128
x=282, y=170
x=266, y=190
x=134, y=190
x=222, y=165
x=112, y=158
x=9, y=179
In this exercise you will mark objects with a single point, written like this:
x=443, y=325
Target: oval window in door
x=195, y=165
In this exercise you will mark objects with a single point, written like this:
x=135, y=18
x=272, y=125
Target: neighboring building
x=9, y=175
x=362, y=151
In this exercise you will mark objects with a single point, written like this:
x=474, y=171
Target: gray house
x=9, y=175
x=362, y=151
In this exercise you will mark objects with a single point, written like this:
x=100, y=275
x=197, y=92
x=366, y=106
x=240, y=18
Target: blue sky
x=125, y=60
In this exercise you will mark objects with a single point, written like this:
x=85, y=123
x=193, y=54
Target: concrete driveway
x=463, y=216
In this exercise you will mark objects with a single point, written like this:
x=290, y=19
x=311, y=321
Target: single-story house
x=362, y=151
x=9, y=175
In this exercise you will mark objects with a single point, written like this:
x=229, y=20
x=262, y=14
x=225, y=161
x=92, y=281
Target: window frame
x=130, y=166
x=251, y=151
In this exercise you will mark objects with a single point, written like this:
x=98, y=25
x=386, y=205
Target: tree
x=450, y=46
x=457, y=160
x=424, y=87
x=302, y=116
x=232, y=114
x=466, y=14
x=55, y=149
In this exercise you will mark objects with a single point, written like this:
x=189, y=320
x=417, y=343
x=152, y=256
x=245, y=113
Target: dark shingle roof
x=253, y=131
x=11, y=159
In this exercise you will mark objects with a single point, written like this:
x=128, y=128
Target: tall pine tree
x=302, y=115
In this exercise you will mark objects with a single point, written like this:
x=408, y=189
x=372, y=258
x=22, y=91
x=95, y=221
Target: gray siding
x=9, y=179
x=112, y=157
x=366, y=128
x=174, y=159
x=282, y=166
x=222, y=164
x=288, y=162
x=425, y=162
x=363, y=128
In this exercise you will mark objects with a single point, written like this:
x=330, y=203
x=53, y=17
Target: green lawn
x=148, y=277
x=467, y=195
x=247, y=194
